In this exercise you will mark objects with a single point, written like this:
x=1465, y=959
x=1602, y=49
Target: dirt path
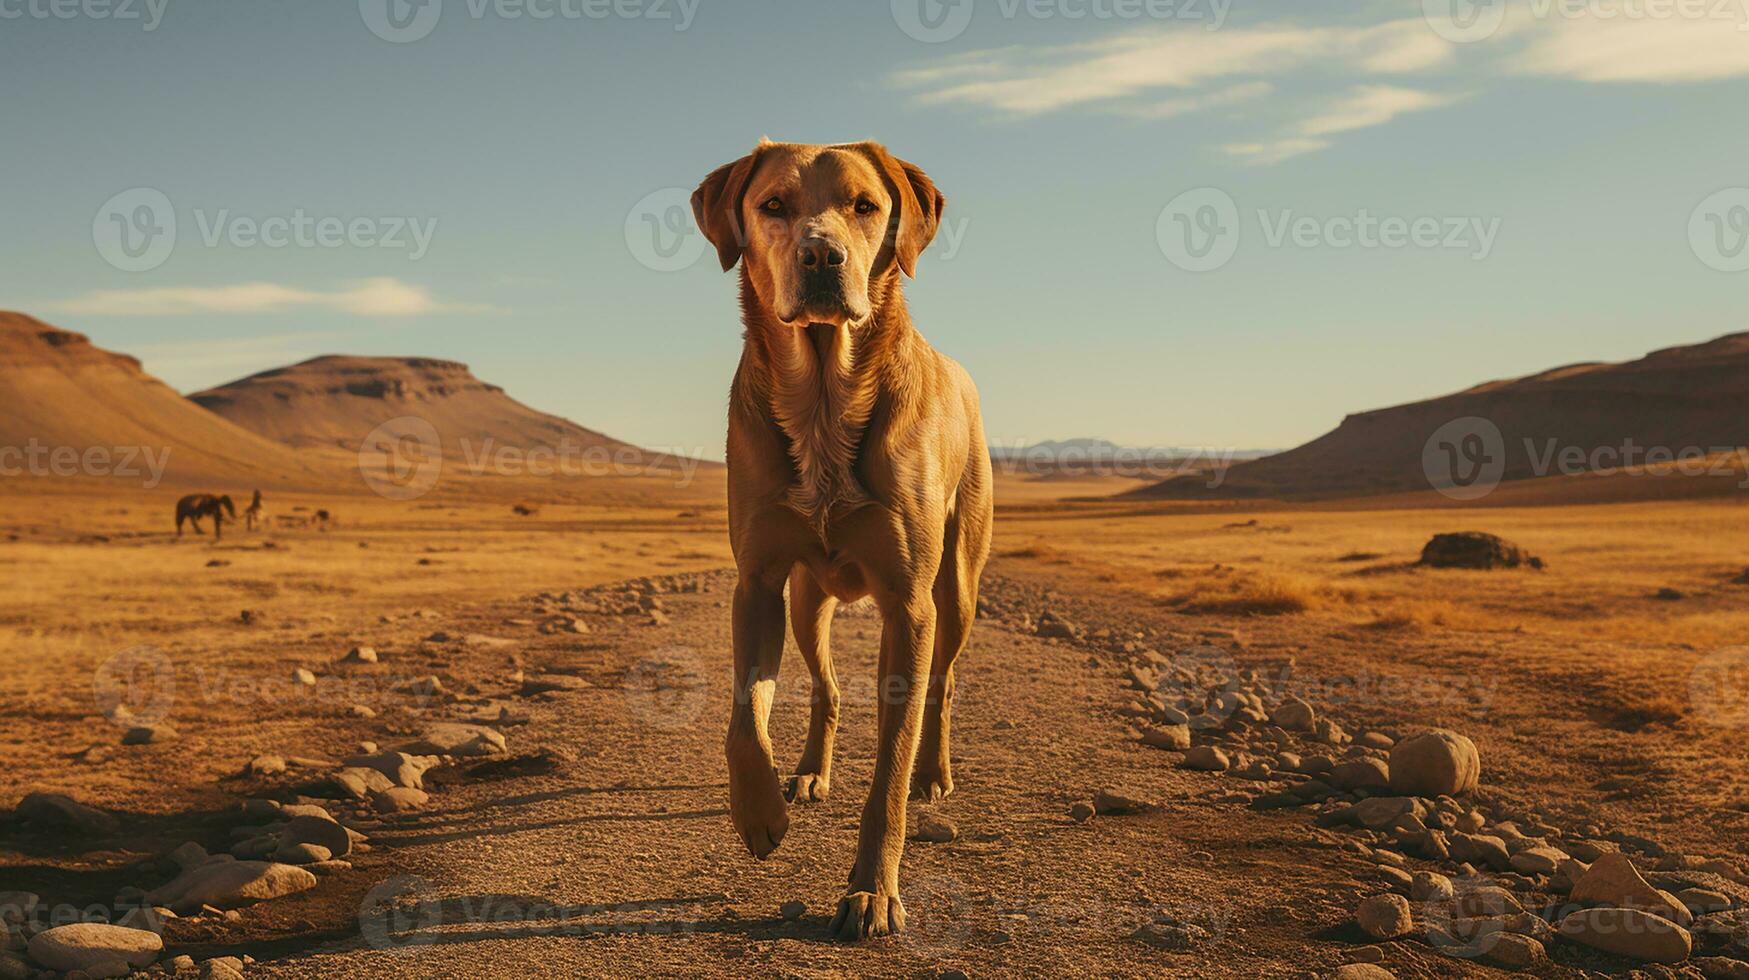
x=602, y=846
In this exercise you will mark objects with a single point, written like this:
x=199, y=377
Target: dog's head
x=814, y=226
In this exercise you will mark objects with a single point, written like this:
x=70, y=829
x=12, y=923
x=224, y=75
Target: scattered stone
x=1435, y=763
x=150, y=734
x=17, y=907
x=229, y=884
x=792, y=910
x=304, y=853
x=424, y=687
x=1375, y=740
x=1700, y=901
x=1053, y=626
x=1515, y=952
x=1174, y=737
x=452, y=738
x=401, y=768
x=1629, y=932
x=1721, y=968
x=361, y=655
x=1614, y=881
x=1081, y=812
x=362, y=711
x=1115, y=804
x=1363, y=971
x=1173, y=936
x=1430, y=886
x=1206, y=758
x=1294, y=715
x=934, y=829
x=85, y=945
x=304, y=677
x=266, y=765
x=1476, y=550
x=1362, y=773
x=1541, y=860
x=399, y=799
x=60, y=810
x=543, y=683
x=1385, y=916
x=1380, y=812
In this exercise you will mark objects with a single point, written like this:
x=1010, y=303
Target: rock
x=1720, y=968
x=1514, y=952
x=542, y=683
x=17, y=907
x=323, y=831
x=399, y=767
x=1615, y=882
x=84, y=945
x=230, y=884
x=177, y=964
x=358, y=782
x=452, y=738
x=1362, y=971
x=304, y=677
x=1700, y=901
x=1475, y=550
x=150, y=734
x=361, y=655
x=425, y=687
x=1173, y=936
x=1629, y=932
x=1053, y=626
x=302, y=853
x=362, y=711
x=1081, y=812
x=1375, y=740
x=13, y=967
x=1385, y=916
x=934, y=829
x=1435, y=763
x=1430, y=886
x=1206, y=758
x=60, y=810
x=1538, y=860
x=399, y=799
x=188, y=855
x=792, y=910
x=1362, y=773
x=1174, y=737
x=1116, y=804
x=1379, y=812
x=1483, y=849
x=1294, y=715
x=222, y=968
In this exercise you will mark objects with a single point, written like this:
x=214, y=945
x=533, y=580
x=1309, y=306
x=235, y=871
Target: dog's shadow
x=454, y=920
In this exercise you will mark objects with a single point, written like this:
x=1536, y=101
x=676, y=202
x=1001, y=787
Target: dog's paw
x=862, y=915
x=930, y=785
x=756, y=808
x=807, y=787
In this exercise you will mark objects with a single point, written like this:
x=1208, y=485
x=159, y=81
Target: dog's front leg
x=756, y=803
x=872, y=907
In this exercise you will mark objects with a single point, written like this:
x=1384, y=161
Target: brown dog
x=857, y=466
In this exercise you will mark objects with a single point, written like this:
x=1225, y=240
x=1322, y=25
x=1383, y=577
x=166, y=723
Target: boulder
x=1476, y=550
x=230, y=884
x=1435, y=763
x=85, y=945
x=451, y=738
x=1614, y=881
x=1385, y=916
x=60, y=810
x=1629, y=932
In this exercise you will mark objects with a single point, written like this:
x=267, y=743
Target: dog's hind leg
x=810, y=611
x=756, y=804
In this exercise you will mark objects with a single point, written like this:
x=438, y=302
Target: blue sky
x=1405, y=199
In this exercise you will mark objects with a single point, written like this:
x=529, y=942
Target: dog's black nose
x=818, y=253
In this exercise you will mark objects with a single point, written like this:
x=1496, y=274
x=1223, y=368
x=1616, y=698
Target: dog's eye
x=772, y=206
x=866, y=206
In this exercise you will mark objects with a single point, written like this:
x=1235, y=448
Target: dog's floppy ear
x=716, y=206
x=917, y=206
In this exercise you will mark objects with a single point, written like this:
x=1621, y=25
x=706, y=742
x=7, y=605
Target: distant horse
x=253, y=514
x=198, y=505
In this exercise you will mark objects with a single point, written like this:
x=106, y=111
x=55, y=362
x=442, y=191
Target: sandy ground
x=602, y=847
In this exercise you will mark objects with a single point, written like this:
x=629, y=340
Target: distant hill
x=1694, y=397
x=60, y=392
x=334, y=402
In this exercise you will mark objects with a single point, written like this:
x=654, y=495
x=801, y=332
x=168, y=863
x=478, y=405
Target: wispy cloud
x=382, y=296
x=229, y=354
x=1160, y=73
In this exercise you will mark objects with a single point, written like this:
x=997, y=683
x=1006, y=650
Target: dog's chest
x=823, y=405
